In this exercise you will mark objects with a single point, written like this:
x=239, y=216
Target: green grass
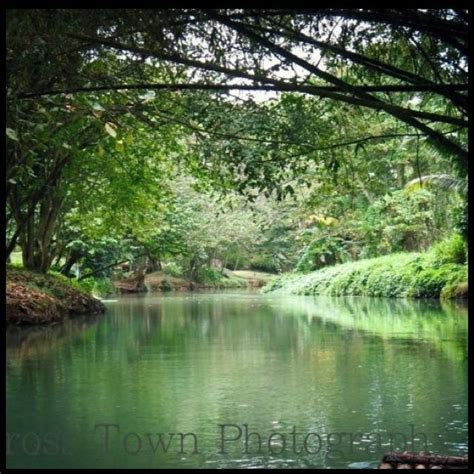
x=418, y=275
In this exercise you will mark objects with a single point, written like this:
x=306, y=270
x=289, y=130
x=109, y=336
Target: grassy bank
x=418, y=275
x=34, y=298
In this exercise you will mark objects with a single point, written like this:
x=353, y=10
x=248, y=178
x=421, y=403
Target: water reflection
x=189, y=362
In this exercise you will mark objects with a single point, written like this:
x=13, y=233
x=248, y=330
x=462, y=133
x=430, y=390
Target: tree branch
x=226, y=87
x=406, y=115
x=343, y=86
x=368, y=62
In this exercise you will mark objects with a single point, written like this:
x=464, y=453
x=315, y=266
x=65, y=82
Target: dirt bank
x=33, y=298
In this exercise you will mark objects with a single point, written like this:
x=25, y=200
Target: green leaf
x=110, y=129
x=12, y=134
x=119, y=145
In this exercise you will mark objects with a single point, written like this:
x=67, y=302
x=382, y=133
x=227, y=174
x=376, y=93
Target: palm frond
x=443, y=181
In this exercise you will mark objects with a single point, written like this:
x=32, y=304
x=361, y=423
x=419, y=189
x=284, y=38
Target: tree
x=389, y=54
x=83, y=173
x=106, y=107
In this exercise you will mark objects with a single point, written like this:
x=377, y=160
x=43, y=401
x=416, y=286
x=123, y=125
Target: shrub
x=419, y=275
x=172, y=269
x=103, y=287
x=208, y=275
x=15, y=266
x=455, y=290
x=321, y=252
x=91, y=285
x=451, y=250
x=461, y=219
x=86, y=285
x=265, y=263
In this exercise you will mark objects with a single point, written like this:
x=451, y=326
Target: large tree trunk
x=27, y=244
x=37, y=234
x=23, y=218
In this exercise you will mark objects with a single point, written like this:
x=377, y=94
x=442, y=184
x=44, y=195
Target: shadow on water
x=33, y=342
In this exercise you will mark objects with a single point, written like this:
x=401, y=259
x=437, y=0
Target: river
x=238, y=379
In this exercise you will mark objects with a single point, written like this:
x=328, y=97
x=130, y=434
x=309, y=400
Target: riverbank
x=417, y=275
x=34, y=298
x=162, y=281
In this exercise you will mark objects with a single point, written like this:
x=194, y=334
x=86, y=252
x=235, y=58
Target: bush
x=208, y=275
x=86, y=285
x=451, y=250
x=232, y=282
x=172, y=269
x=103, y=287
x=429, y=282
x=264, y=263
x=461, y=219
x=419, y=275
x=321, y=252
x=70, y=281
x=455, y=290
x=92, y=286
x=401, y=221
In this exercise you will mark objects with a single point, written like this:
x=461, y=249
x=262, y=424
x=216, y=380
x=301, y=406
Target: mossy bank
x=34, y=298
x=417, y=275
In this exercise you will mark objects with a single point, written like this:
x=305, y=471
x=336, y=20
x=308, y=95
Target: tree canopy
x=367, y=58
x=111, y=114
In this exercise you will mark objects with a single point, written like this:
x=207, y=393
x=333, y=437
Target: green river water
x=319, y=381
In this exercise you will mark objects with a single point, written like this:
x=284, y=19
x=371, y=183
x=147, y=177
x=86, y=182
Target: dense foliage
x=195, y=141
x=420, y=275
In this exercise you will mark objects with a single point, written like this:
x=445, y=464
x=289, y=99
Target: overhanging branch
x=226, y=87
